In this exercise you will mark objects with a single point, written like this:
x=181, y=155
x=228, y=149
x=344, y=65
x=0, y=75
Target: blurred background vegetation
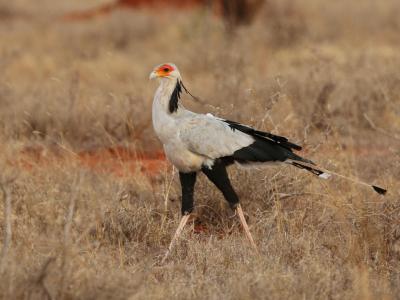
x=84, y=80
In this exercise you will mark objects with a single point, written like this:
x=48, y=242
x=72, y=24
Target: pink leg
x=245, y=227
x=178, y=232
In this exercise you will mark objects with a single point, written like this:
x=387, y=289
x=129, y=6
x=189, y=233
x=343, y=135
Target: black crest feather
x=379, y=190
x=176, y=95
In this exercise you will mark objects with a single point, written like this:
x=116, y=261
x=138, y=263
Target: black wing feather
x=267, y=147
x=282, y=141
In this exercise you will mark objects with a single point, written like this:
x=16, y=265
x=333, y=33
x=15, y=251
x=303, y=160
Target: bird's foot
x=233, y=207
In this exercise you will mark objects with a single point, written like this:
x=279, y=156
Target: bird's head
x=165, y=71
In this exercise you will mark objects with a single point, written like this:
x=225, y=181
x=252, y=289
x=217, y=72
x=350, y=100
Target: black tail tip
x=379, y=190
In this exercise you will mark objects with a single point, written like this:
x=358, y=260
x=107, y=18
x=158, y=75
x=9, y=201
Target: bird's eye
x=166, y=70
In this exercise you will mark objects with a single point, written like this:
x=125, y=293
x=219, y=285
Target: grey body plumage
x=192, y=140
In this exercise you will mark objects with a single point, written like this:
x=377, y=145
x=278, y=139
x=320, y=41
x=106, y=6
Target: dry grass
x=325, y=74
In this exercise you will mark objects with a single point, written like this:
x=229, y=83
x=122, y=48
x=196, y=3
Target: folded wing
x=211, y=137
x=218, y=138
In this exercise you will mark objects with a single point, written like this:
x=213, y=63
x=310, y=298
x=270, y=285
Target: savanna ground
x=82, y=225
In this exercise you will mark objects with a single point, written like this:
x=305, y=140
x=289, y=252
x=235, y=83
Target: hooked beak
x=153, y=75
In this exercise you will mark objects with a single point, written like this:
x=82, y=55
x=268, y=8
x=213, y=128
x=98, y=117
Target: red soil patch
x=125, y=162
x=235, y=12
x=155, y=5
x=118, y=161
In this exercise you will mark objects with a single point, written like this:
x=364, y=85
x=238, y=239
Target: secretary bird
x=197, y=142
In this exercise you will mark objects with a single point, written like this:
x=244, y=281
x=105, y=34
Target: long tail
x=325, y=174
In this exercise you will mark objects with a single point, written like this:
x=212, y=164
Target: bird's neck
x=165, y=109
x=168, y=95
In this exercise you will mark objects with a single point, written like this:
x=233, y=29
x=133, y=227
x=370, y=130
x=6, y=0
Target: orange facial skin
x=164, y=70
